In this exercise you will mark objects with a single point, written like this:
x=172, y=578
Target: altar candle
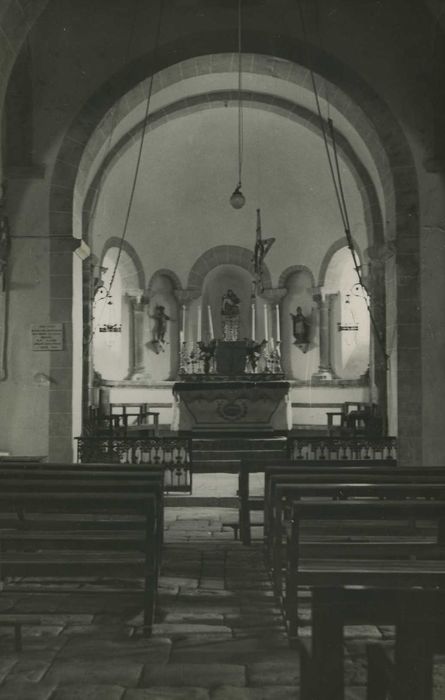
x=253, y=321
x=266, y=327
x=199, y=323
x=209, y=311
x=277, y=309
x=183, y=318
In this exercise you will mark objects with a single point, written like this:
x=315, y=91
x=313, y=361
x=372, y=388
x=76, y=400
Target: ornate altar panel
x=232, y=405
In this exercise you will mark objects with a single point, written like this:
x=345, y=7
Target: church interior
x=221, y=349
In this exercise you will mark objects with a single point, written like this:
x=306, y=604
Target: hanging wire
x=240, y=99
x=338, y=184
x=114, y=111
x=141, y=144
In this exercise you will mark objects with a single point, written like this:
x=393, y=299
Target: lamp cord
x=141, y=144
x=338, y=186
x=240, y=101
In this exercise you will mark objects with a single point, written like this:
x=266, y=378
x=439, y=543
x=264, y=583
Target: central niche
x=216, y=285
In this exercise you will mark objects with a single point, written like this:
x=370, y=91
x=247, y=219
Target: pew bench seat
x=16, y=621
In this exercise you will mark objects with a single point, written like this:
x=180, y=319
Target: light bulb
x=237, y=200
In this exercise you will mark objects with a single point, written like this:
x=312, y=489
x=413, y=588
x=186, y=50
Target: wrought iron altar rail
x=316, y=448
x=173, y=454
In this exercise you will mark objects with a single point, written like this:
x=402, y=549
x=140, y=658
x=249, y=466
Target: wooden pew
x=58, y=547
x=133, y=479
x=386, y=674
x=398, y=591
x=266, y=466
x=309, y=470
x=369, y=486
x=17, y=622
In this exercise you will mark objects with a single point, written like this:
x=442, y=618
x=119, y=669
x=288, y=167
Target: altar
x=232, y=405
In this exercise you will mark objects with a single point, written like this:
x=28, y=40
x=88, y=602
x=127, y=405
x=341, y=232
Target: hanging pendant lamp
x=237, y=199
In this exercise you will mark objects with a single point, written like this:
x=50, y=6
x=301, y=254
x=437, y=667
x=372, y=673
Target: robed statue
x=301, y=329
x=230, y=314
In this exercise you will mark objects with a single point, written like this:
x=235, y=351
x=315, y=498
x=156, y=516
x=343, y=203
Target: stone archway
x=389, y=147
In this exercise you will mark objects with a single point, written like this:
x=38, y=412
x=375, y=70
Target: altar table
x=232, y=405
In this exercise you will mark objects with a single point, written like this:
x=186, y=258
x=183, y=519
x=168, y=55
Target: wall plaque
x=47, y=336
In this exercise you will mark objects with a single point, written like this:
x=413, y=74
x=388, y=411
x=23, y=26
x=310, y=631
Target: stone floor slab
x=169, y=693
x=124, y=672
x=154, y=650
x=205, y=675
x=14, y=690
x=266, y=693
x=272, y=673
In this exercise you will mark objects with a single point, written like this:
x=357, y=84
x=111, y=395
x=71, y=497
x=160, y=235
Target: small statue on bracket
x=160, y=328
x=301, y=329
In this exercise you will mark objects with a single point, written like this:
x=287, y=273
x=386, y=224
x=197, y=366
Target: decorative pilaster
x=323, y=308
x=136, y=335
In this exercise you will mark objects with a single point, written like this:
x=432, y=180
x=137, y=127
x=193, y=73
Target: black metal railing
x=172, y=454
x=348, y=448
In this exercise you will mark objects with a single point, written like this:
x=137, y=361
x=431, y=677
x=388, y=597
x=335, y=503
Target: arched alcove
x=300, y=360
x=349, y=317
x=216, y=283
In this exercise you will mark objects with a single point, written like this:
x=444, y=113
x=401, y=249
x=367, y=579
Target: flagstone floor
x=220, y=634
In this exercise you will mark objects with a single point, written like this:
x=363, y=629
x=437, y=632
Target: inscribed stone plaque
x=47, y=336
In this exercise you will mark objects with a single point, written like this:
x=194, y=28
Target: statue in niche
x=160, y=327
x=301, y=329
x=230, y=313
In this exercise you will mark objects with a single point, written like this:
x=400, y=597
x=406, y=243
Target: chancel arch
x=377, y=148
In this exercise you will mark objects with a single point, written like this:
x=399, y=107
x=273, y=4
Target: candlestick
x=199, y=334
x=253, y=321
x=266, y=325
x=209, y=311
x=277, y=309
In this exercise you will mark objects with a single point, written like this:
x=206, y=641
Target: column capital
x=186, y=296
x=273, y=295
x=319, y=294
x=380, y=254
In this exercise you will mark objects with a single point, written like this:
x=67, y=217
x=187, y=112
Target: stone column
x=136, y=335
x=323, y=305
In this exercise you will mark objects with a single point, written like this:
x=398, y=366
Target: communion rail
x=348, y=448
x=173, y=454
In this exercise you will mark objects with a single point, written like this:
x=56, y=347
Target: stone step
x=187, y=501
x=237, y=442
